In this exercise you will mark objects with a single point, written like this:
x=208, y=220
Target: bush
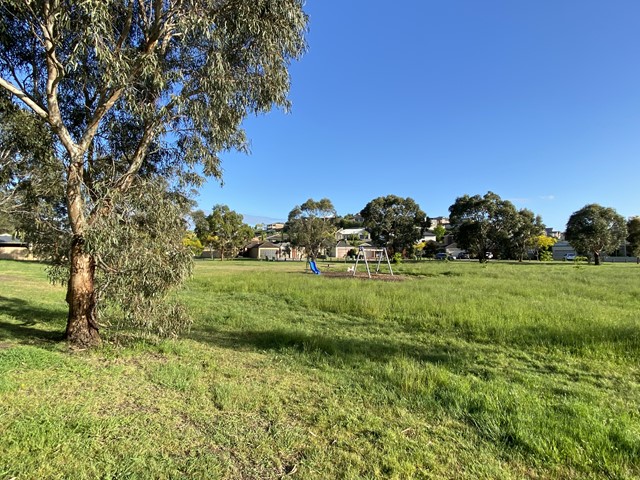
x=546, y=256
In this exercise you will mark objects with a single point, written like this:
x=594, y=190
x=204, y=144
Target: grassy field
x=460, y=371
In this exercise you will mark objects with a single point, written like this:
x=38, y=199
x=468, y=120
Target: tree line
x=484, y=226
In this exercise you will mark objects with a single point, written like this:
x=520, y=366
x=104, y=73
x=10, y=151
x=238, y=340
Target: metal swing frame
x=380, y=252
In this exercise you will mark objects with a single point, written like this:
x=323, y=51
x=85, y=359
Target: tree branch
x=26, y=98
x=124, y=182
x=53, y=77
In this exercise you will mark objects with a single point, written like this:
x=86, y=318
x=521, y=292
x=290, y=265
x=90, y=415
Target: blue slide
x=314, y=268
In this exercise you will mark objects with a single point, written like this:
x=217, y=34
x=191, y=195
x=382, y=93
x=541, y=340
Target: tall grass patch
x=459, y=371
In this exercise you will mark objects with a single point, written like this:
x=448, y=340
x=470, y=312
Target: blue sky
x=537, y=101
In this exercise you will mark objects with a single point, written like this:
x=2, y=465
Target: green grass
x=461, y=371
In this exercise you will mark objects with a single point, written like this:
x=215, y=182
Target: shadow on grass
x=27, y=326
x=345, y=349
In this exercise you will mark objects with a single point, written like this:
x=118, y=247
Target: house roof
x=265, y=245
x=352, y=231
x=7, y=240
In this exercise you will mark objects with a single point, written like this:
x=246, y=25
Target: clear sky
x=535, y=100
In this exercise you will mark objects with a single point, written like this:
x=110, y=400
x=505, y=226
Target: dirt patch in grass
x=385, y=277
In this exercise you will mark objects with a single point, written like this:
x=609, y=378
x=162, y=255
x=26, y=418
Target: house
x=550, y=232
x=561, y=248
x=343, y=247
x=350, y=234
x=12, y=248
x=261, y=250
x=287, y=250
x=276, y=238
x=444, y=221
x=275, y=226
x=348, y=239
x=428, y=236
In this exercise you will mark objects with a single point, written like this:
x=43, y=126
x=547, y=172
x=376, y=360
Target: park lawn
x=461, y=371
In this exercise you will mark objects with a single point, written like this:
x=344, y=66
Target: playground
x=363, y=262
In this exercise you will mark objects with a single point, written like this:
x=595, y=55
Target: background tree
x=193, y=243
x=132, y=93
x=228, y=231
x=260, y=231
x=633, y=228
x=542, y=245
x=203, y=231
x=482, y=224
x=394, y=222
x=6, y=224
x=526, y=227
x=440, y=232
x=311, y=226
x=430, y=249
x=349, y=220
x=595, y=229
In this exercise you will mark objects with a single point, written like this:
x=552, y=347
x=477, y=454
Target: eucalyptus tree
x=394, y=222
x=526, y=227
x=312, y=226
x=482, y=223
x=138, y=97
x=223, y=230
x=633, y=228
x=595, y=230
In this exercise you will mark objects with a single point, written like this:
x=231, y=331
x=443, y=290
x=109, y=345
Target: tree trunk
x=82, y=328
x=596, y=258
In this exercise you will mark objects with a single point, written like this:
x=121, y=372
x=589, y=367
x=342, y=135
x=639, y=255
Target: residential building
x=560, y=249
x=261, y=250
x=428, y=236
x=351, y=234
x=12, y=248
x=435, y=221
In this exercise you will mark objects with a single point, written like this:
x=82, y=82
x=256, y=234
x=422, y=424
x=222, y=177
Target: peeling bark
x=82, y=328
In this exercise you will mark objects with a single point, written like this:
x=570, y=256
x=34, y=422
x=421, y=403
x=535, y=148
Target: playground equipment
x=379, y=253
x=314, y=267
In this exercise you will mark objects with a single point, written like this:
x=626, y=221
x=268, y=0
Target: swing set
x=380, y=252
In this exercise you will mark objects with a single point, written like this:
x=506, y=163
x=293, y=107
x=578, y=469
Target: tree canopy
x=394, y=222
x=595, y=230
x=633, y=228
x=311, y=226
x=223, y=230
x=527, y=226
x=542, y=245
x=131, y=98
x=440, y=232
x=482, y=223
